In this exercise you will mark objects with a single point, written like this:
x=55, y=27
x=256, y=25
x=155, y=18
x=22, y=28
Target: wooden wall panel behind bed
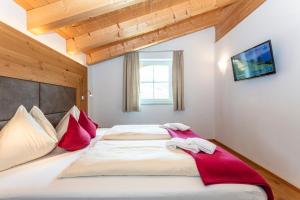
x=24, y=58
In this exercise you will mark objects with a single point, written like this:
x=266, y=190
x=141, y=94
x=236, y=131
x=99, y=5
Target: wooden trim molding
x=25, y=58
x=282, y=189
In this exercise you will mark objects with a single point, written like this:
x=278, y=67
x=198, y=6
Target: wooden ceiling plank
x=39, y=3
x=234, y=14
x=31, y=4
x=24, y=4
x=63, y=12
x=181, y=28
x=143, y=24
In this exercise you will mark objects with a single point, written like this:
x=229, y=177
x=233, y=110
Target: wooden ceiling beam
x=143, y=24
x=64, y=12
x=115, y=17
x=105, y=29
x=181, y=28
x=234, y=14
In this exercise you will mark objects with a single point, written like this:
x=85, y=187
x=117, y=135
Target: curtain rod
x=159, y=51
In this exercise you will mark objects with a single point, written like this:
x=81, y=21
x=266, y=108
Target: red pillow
x=87, y=124
x=75, y=137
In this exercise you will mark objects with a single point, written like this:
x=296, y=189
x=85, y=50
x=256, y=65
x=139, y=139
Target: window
x=156, y=81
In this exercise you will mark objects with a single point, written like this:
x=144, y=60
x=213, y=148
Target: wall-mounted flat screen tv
x=254, y=62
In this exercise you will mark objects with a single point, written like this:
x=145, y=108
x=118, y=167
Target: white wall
x=106, y=84
x=260, y=118
x=15, y=16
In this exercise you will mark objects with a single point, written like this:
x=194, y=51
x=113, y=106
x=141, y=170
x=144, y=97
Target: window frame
x=158, y=61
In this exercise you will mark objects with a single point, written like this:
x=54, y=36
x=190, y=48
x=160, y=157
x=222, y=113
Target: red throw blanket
x=223, y=167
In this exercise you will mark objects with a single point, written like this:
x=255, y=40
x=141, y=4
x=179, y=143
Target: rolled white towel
x=172, y=144
x=202, y=144
x=181, y=143
x=176, y=126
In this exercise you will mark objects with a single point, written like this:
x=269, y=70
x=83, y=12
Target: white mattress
x=38, y=180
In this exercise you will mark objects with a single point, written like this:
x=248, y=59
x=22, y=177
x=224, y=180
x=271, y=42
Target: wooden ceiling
x=104, y=29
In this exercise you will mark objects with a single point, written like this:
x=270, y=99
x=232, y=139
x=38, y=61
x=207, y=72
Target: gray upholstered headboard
x=53, y=100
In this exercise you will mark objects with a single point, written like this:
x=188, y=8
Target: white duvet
x=125, y=158
x=136, y=132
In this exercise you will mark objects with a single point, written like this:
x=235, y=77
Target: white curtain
x=178, y=80
x=131, y=82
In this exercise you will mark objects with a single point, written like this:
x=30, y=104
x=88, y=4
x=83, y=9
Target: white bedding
x=136, y=132
x=38, y=180
x=132, y=158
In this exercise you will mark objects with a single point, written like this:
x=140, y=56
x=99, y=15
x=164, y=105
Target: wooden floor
x=281, y=189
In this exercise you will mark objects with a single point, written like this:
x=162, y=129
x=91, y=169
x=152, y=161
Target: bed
x=40, y=179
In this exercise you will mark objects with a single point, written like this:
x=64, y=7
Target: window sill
x=156, y=102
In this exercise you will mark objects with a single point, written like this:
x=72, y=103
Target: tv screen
x=254, y=62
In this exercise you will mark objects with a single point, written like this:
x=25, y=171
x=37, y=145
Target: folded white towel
x=176, y=126
x=203, y=145
x=181, y=143
x=194, y=145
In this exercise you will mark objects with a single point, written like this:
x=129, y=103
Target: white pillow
x=39, y=116
x=181, y=126
x=62, y=126
x=22, y=140
x=169, y=126
x=176, y=126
